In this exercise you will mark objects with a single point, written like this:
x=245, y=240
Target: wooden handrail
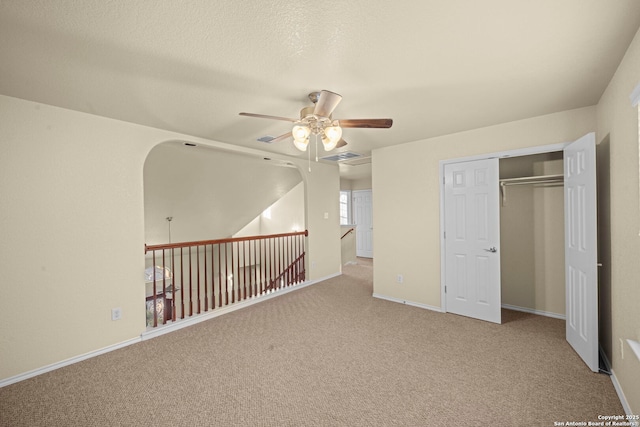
x=148, y=248
x=287, y=270
x=345, y=234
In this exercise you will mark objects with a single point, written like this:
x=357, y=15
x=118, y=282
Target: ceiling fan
x=317, y=120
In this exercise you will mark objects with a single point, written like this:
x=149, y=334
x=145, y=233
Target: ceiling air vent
x=358, y=161
x=340, y=157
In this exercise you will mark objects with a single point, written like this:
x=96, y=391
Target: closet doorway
x=532, y=234
x=520, y=262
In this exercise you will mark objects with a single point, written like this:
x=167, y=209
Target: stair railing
x=345, y=234
x=190, y=278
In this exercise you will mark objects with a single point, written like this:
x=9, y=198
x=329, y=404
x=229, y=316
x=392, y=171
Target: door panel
x=472, y=238
x=581, y=255
x=363, y=218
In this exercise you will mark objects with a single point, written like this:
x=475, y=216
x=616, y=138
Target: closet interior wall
x=532, y=236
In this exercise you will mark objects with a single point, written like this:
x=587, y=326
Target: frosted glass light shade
x=300, y=132
x=331, y=137
x=301, y=145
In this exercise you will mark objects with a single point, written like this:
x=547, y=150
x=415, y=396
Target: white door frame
x=500, y=154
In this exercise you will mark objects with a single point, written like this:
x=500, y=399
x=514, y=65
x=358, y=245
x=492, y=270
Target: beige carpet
x=326, y=355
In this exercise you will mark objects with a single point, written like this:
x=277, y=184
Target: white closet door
x=472, y=239
x=581, y=254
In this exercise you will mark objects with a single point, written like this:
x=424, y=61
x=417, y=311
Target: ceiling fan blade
x=281, y=137
x=264, y=116
x=327, y=102
x=366, y=123
x=341, y=143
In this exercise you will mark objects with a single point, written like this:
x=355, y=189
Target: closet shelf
x=528, y=180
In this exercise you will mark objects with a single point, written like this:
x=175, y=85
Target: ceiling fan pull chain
x=316, y=148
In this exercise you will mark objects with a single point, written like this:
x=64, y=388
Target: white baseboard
x=614, y=380
x=159, y=331
x=411, y=303
x=70, y=361
x=621, y=396
x=533, y=311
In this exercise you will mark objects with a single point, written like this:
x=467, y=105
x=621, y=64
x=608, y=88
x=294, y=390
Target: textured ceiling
x=435, y=67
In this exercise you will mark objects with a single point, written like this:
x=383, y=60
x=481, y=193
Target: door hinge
x=445, y=289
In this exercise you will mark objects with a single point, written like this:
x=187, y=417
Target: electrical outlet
x=621, y=349
x=116, y=313
x=400, y=278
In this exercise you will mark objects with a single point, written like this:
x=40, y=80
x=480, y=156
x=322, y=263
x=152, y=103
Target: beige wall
x=72, y=230
x=322, y=216
x=549, y=241
x=618, y=128
x=355, y=184
x=345, y=184
x=406, y=185
x=285, y=215
x=348, y=245
x=361, y=184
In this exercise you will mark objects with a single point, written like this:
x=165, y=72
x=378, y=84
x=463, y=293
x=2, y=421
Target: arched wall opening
x=200, y=199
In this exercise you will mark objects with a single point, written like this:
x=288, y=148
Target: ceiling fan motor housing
x=314, y=96
x=314, y=122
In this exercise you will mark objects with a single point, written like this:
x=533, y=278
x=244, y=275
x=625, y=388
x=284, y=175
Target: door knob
x=492, y=249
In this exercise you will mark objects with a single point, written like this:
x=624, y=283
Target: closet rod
x=532, y=179
x=543, y=179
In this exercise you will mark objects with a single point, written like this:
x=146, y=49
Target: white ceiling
x=434, y=66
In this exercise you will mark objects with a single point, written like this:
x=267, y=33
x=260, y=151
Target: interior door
x=363, y=218
x=472, y=239
x=581, y=276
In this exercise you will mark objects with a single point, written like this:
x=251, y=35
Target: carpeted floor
x=326, y=355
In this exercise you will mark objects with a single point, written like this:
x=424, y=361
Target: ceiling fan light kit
x=317, y=120
x=332, y=135
x=300, y=134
